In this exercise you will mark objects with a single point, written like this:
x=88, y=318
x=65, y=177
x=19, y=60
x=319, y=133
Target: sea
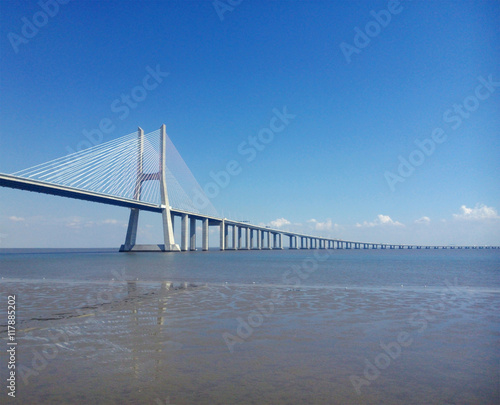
x=94, y=326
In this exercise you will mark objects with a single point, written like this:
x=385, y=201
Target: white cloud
x=423, y=220
x=16, y=219
x=479, y=212
x=381, y=220
x=322, y=226
x=79, y=222
x=74, y=222
x=278, y=223
x=111, y=222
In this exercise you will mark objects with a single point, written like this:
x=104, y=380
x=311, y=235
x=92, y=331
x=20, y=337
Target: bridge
x=132, y=172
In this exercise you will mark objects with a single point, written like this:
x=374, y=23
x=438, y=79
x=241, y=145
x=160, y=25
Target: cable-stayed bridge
x=145, y=172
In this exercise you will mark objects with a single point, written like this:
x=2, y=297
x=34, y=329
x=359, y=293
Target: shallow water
x=287, y=327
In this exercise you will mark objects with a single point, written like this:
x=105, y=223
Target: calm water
x=281, y=327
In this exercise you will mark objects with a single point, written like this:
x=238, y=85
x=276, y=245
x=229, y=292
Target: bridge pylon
x=169, y=244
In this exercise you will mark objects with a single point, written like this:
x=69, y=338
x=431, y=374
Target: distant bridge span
x=244, y=236
x=234, y=235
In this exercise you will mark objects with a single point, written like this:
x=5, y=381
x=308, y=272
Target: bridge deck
x=64, y=191
x=70, y=192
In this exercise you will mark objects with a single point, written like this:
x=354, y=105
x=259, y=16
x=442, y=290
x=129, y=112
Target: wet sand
x=195, y=343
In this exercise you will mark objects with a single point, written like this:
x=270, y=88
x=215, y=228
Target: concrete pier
x=184, y=232
x=192, y=234
x=235, y=231
x=205, y=234
x=226, y=235
x=222, y=231
x=240, y=237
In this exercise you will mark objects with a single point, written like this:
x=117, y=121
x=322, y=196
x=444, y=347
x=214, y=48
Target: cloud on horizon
x=382, y=220
x=328, y=225
x=79, y=222
x=479, y=212
x=16, y=219
x=423, y=220
x=278, y=223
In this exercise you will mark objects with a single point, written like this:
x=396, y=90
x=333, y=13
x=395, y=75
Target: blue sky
x=335, y=167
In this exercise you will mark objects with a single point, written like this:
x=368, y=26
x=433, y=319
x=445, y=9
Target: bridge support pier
x=205, y=232
x=131, y=236
x=222, y=231
x=184, y=232
x=240, y=237
x=226, y=236
x=192, y=234
x=280, y=241
x=235, y=230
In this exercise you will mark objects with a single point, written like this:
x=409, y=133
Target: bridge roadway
x=234, y=235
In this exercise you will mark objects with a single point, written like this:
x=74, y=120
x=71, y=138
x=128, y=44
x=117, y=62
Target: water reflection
x=147, y=309
x=151, y=340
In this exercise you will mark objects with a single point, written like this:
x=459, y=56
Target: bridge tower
x=169, y=244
